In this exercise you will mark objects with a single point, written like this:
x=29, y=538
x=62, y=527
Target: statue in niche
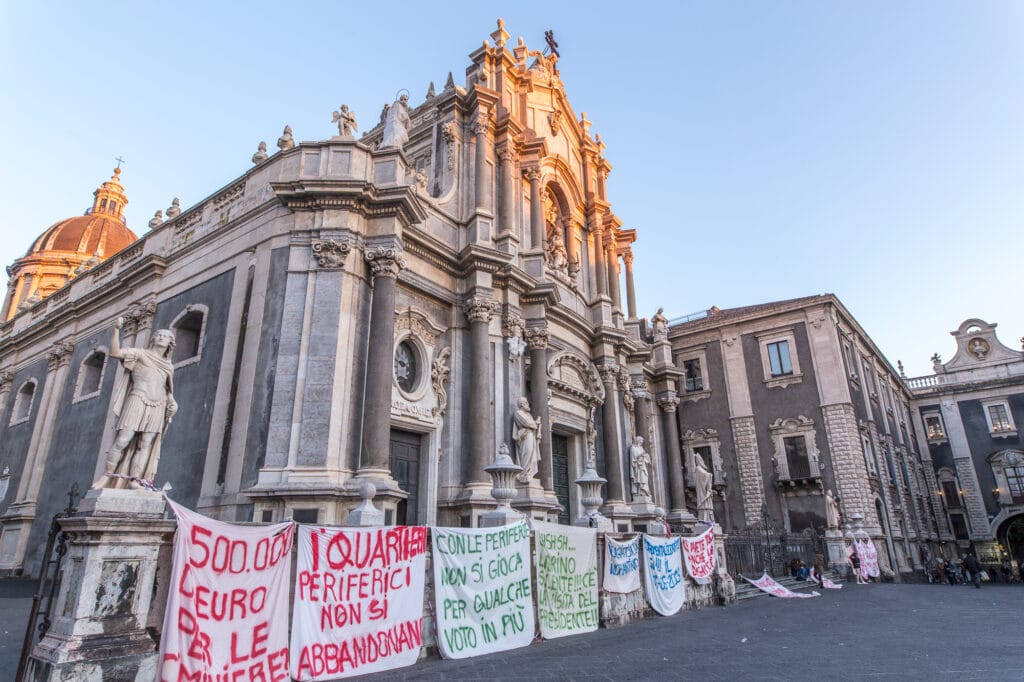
x=526, y=432
x=978, y=348
x=346, y=121
x=702, y=479
x=396, y=124
x=143, y=403
x=832, y=514
x=591, y=456
x=558, y=258
x=286, y=141
x=659, y=324
x=639, y=460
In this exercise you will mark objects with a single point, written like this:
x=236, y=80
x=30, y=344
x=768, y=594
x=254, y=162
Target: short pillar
x=503, y=474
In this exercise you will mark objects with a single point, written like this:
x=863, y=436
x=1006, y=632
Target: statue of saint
x=659, y=324
x=143, y=403
x=558, y=258
x=526, y=432
x=286, y=141
x=639, y=460
x=702, y=482
x=346, y=121
x=396, y=124
x=832, y=514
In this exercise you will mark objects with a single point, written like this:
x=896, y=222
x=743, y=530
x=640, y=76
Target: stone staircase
x=745, y=590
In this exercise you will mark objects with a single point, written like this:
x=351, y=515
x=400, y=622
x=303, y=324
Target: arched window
x=189, y=329
x=90, y=375
x=23, y=402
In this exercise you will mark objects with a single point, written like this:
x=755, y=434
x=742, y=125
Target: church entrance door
x=405, y=469
x=560, y=473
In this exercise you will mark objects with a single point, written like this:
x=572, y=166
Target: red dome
x=94, y=234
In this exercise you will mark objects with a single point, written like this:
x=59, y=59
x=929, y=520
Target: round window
x=406, y=366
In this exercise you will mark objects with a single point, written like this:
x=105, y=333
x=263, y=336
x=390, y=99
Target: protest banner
x=482, y=587
x=622, y=566
x=227, y=602
x=663, y=574
x=358, y=600
x=566, y=579
x=767, y=584
x=829, y=585
x=868, y=558
x=699, y=554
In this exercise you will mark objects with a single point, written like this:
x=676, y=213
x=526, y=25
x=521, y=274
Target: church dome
x=93, y=234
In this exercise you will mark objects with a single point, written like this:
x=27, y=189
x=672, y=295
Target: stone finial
x=157, y=220
x=366, y=514
x=430, y=91
x=500, y=36
x=261, y=153
x=449, y=83
x=346, y=121
x=286, y=141
x=174, y=210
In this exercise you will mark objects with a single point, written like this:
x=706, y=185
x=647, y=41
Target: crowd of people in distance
x=968, y=571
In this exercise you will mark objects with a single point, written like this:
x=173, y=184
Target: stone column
x=537, y=339
x=674, y=458
x=598, y=256
x=532, y=175
x=483, y=187
x=610, y=432
x=385, y=264
x=627, y=258
x=572, y=252
x=506, y=210
x=481, y=422
x=613, y=275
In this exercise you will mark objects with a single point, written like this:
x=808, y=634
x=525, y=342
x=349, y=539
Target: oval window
x=406, y=367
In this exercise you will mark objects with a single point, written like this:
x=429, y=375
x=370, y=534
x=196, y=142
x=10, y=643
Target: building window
x=189, y=329
x=796, y=457
x=1000, y=419
x=933, y=426
x=23, y=402
x=959, y=527
x=952, y=494
x=869, y=451
x=796, y=449
x=779, y=359
x=90, y=376
x=850, y=358
x=704, y=443
x=694, y=377
x=406, y=366
x=1015, y=482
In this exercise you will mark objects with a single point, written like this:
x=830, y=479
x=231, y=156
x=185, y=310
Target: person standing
x=972, y=565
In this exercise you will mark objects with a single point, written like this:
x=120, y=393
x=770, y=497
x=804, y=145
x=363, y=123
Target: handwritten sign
x=663, y=574
x=482, y=585
x=622, y=566
x=699, y=553
x=358, y=600
x=767, y=584
x=229, y=589
x=566, y=559
x=868, y=558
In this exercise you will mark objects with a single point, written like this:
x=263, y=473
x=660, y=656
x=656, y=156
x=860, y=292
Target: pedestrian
x=855, y=564
x=950, y=573
x=819, y=567
x=973, y=566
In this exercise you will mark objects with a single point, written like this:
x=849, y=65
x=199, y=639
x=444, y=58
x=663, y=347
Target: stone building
x=968, y=412
x=353, y=310
x=784, y=401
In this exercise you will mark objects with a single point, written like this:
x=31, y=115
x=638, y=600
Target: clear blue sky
x=762, y=150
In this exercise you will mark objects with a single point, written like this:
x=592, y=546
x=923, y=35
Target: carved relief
x=439, y=372
x=576, y=377
x=448, y=133
x=417, y=324
x=329, y=253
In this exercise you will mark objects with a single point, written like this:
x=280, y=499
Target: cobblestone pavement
x=895, y=632
x=888, y=632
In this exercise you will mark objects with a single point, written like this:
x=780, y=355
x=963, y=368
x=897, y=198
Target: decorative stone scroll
x=575, y=376
x=330, y=254
x=439, y=372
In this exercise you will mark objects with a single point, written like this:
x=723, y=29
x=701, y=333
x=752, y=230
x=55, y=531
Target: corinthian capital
x=609, y=372
x=329, y=253
x=537, y=338
x=59, y=355
x=385, y=261
x=6, y=377
x=480, y=309
x=669, y=403
x=531, y=174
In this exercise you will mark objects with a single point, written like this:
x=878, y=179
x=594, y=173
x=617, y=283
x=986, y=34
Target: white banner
x=663, y=574
x=622, y=566
x=482, y=586
x=699, y=553
x=868, y=558
x=358, y=600
x=228, y=600
x=767, y=584
x=566, y=579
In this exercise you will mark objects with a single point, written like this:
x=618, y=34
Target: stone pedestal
x=835, y=548
x=503, y=489
x=725, y=586
x=365, y=514
x=533, y=501
x=590, y=484
x=99, y=617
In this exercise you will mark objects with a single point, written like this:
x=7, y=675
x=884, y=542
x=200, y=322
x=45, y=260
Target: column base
x=835, y=549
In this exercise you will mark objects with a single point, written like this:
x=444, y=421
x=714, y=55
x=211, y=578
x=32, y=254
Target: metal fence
x=753, y=550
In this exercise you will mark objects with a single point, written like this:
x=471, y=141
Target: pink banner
x=699, y=553
x=767, y=584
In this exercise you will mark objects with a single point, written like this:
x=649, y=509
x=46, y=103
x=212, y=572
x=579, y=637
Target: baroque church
x=398, y=308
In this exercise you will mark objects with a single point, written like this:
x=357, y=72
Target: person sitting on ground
x=801, y=570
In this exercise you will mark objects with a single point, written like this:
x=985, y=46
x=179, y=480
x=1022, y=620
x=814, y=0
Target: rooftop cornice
x=314, y=194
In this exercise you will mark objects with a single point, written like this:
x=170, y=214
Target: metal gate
x=764, y=547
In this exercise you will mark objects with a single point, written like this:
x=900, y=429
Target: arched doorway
x=883, y=521
x=1011, y=537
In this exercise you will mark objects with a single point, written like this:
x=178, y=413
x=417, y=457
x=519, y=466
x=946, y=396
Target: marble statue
x=702, y=482
x=143, y=403
x=639, y=460
x=590, y=459
x=832, y=514
x=261, y=153
x=157, y=220
x=174, y=210
x=346, y=121
x=396, y=124
x=286, y=141
x=558, y=259
x=526, y=432
x=659, y=323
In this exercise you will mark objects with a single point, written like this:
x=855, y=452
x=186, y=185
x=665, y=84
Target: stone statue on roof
x=396, y=124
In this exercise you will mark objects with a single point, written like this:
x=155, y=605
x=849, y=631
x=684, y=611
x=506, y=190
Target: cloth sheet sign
x=699, y=553
x=622, y=566
x=228, y=601
x=663, y=574
x=482, y=586
x=767, y=584
x=868, y=558
x=566, y=579
x=358, y=600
